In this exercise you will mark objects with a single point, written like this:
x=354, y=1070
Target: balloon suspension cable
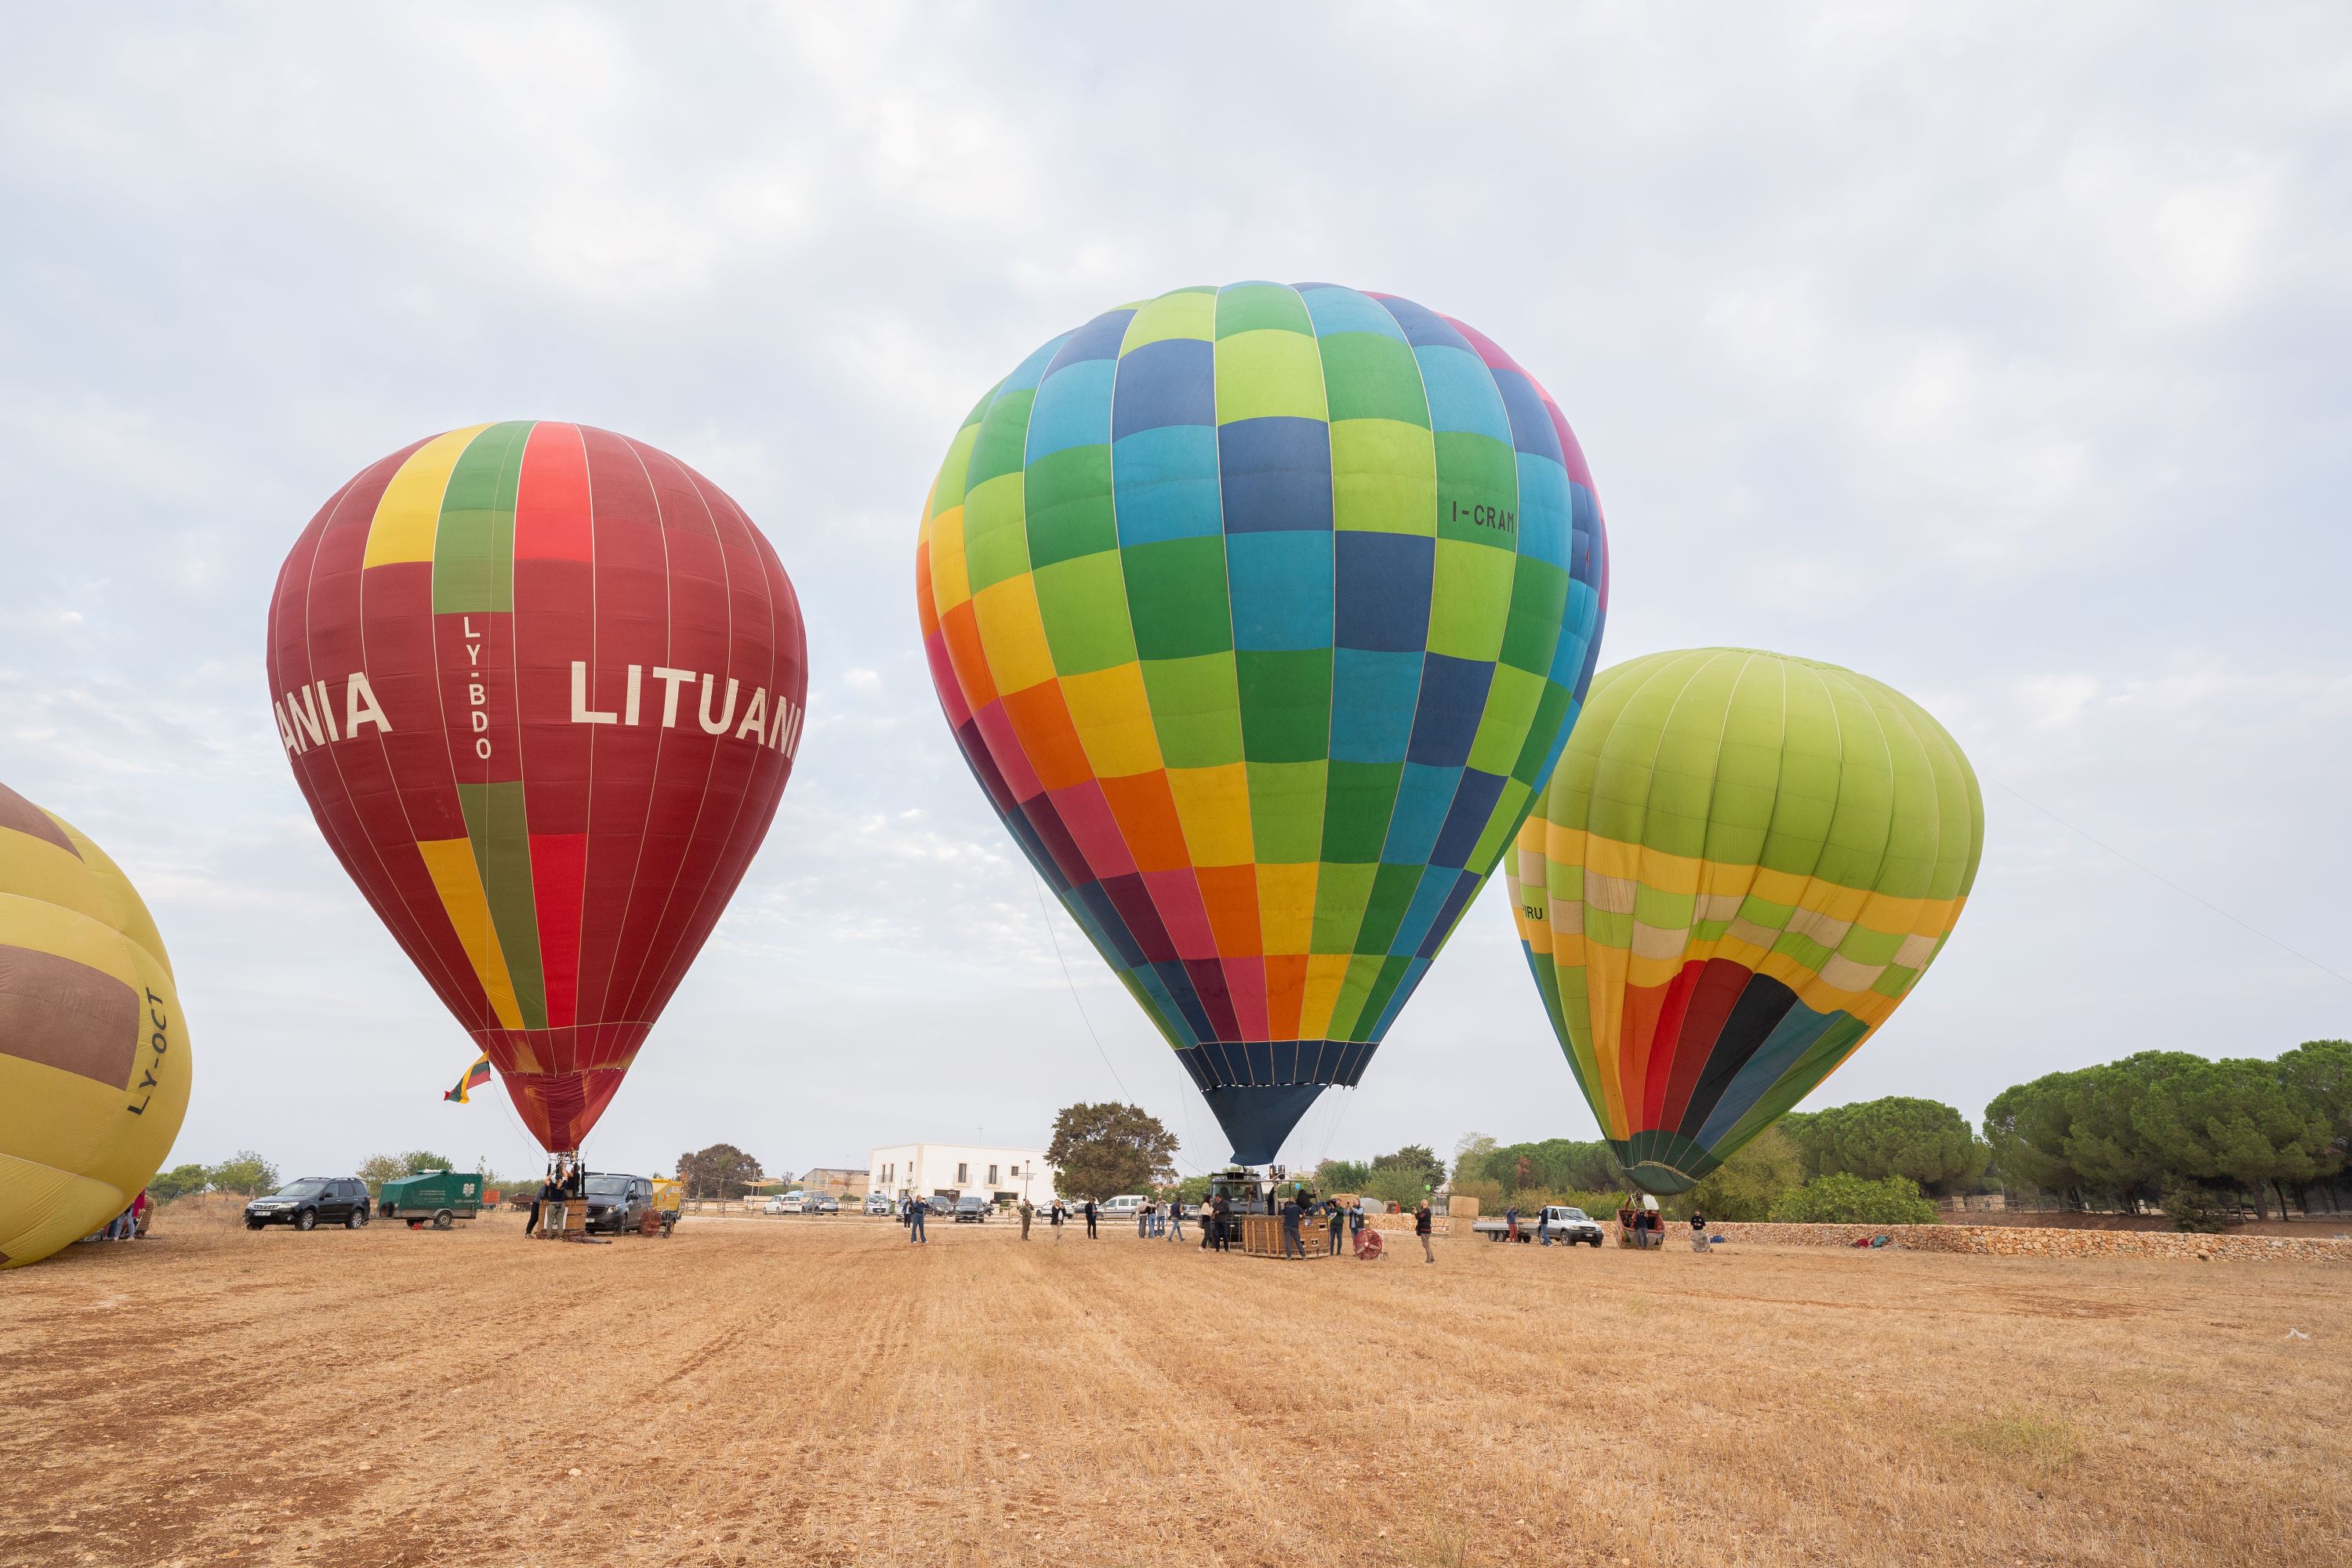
x=2184, y=892
x=1037, y=886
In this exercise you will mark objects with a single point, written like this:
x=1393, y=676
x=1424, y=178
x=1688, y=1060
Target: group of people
x=1647, y=1228
x=1342, y=1224
x=913, y=1211
x=127, y=1225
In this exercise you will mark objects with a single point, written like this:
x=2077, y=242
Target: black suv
x=618, y=1203
x=342, y=1200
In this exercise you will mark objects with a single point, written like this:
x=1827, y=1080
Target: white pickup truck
x=1567, y=1225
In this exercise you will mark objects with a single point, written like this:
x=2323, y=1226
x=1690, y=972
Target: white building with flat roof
x=956, y=1169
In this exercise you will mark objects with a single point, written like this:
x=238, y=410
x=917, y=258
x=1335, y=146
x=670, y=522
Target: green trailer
x=438, y=1198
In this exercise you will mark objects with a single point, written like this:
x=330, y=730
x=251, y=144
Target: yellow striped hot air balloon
x=1740, y=866
x=93, y=1050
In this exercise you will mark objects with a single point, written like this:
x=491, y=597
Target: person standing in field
x=1699, y=1232
x=1511, y=1223
x=1091, y=1235
x=1176, y=1219
x=1421, y=1227
x=1056, y=1217
x=1335, y=1219
x=1291, y=1215
x=1143, y=1222
x=915, y=1212
x=548, y=1193
x=1028, y=1209
x=1356, y=1223
x=1543, y=1226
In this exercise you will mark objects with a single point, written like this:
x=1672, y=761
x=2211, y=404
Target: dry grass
x=816, y=1391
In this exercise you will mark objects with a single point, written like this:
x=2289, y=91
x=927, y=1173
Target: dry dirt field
x=818, y=1391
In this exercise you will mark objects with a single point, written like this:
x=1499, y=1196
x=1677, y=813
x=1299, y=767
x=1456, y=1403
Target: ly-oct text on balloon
x=159, y=1042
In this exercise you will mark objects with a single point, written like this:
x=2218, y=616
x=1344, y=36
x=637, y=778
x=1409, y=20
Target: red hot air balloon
x=543, y=685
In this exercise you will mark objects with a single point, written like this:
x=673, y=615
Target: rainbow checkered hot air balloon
x=1741, y=865
x=1260, y=612
x=542, y=686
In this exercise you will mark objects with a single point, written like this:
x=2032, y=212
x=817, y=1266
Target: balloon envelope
x=543, y=685
x=1740, y=866
x=93, y=1050
x=1260, y=612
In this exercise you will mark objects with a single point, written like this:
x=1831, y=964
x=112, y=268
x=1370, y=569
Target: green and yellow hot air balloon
x=93, y=1050
x=1742, y=863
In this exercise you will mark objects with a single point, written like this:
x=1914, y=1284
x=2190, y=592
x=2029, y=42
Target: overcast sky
x=1998, y=352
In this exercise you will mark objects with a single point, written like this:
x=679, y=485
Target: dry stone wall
x=2038, y=1241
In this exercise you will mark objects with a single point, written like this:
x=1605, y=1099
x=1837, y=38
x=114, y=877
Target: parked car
x=941, y=1204
x=971, y=1209
x=304, y=1205
x=879, y=1203
x=443, y=1197
x=782, y=1203
x=1568, y=1227
x=1126, y=1205
x=820, y=1204
x=617, y=1203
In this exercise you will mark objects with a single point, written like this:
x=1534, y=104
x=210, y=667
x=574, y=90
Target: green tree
x=1405, y=1176
x=2320, y=1073
x=1759, y=1174
x=1898, y=1136
x=2026, y=1125
x=721, y=1170
x=1556, y=1164
x=1801, y=1129
x=2235, y=1120
x=1470, y=1155
x=178, y=1182
x=1841, y=1198
x=378, y=1169
x=2076, y=1134
x=244, y=1172
x=1341, y=1176
x=1102, y=1151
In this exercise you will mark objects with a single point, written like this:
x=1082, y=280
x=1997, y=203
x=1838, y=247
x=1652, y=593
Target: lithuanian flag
x=476, y=1075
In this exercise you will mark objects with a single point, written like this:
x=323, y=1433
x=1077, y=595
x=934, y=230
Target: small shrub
x=2193, y=1207
x=2041, y=1441
x=1843, y=1199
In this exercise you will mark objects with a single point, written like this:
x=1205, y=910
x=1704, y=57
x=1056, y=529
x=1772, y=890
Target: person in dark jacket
x=1421, y=1227
x=1090, y=1219
x=1334, y=1220
x=1356, y=1223
x=915, y=1213
x=551, y=1191
x=1291, y=1215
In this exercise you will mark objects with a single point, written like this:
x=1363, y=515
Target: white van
x=1126, y=1205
